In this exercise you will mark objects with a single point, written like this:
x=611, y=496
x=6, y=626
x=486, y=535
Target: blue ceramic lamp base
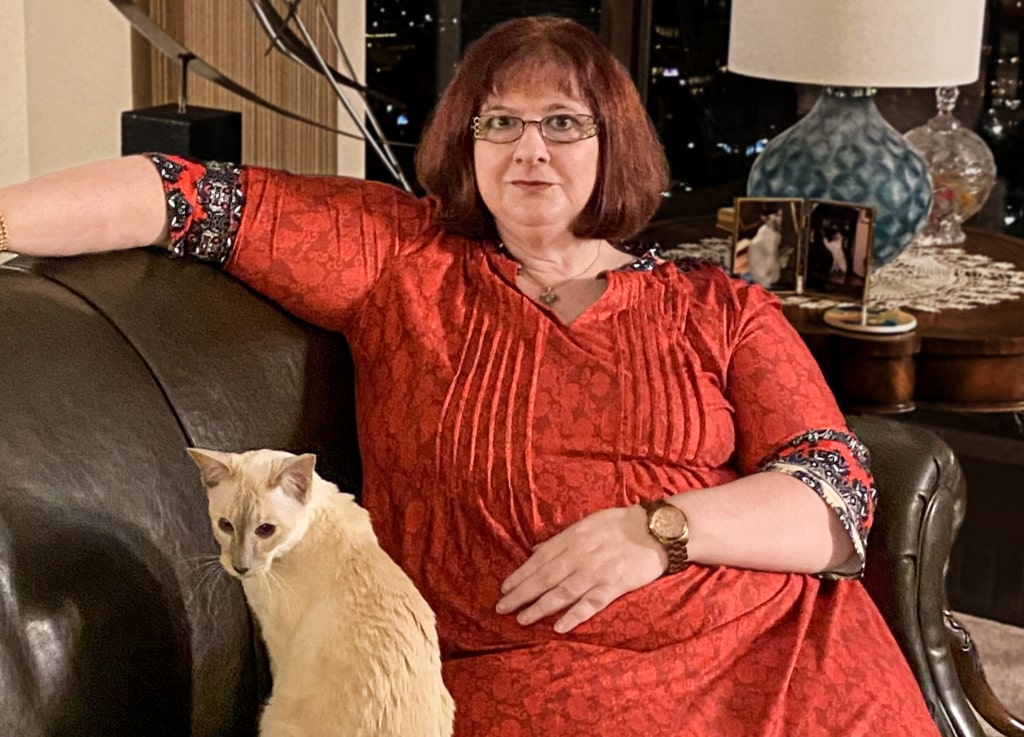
x=843, y=149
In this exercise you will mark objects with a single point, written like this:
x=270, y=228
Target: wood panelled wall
x=227, y=35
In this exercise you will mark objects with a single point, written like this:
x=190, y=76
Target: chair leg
x=974, y=682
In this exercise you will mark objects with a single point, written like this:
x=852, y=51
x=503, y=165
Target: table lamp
x=843, y=149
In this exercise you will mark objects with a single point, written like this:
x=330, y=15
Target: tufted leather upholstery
x=113, y=618
x=921, y=503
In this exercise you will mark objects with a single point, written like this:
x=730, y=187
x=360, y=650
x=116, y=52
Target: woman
x=610, y=476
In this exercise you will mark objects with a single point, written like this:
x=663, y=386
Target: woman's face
x=533, y=184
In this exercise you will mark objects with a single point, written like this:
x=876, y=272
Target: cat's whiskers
x=202, y=558
x=207, y=567
x=264, y=583
x=276, y=579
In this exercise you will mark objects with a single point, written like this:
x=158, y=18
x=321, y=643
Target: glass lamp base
x=943, y=233
x=962, y=167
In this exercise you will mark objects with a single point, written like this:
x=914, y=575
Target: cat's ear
x=214, y=465
x=296, y=476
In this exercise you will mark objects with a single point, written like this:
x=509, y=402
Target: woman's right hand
x=584, y=568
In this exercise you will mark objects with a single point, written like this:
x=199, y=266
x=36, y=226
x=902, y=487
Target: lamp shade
x=858, y=43
x=843, y=149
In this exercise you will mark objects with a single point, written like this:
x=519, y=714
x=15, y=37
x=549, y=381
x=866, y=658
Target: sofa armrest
x=112, y=613
x=238, y=371
x=921, y=504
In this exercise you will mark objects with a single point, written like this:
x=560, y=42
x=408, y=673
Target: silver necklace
x=548, y=296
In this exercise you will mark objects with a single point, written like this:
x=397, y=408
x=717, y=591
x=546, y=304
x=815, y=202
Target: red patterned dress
x=487, y=426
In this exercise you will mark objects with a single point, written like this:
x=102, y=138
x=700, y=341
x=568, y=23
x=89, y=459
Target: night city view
x=713, y=124
x=709, y=136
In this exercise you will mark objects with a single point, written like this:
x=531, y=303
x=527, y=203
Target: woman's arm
x=103, y=206
x=769, y=521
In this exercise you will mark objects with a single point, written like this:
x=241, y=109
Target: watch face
x=668, y=523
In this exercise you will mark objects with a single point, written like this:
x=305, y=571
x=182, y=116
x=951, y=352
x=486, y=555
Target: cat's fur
x=836, y=245
x=353, y=645
x=763, y=251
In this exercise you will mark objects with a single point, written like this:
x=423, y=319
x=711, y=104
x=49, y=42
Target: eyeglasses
x=561, y=128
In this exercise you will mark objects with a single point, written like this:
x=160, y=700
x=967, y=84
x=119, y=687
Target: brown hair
x=632, y=171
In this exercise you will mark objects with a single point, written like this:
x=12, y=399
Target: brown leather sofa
x=113, y=621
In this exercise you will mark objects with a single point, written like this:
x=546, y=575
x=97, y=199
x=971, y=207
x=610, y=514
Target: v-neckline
x=644, y=259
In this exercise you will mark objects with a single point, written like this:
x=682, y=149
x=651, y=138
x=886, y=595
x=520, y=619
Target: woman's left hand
x=584, y=568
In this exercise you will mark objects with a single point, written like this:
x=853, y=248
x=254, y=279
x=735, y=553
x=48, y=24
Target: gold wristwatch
x=668, y=525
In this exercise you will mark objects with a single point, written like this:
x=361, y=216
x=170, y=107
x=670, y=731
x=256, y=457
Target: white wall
x=65, y=78
x=351, y=21
x=67, y=75
x=14, y=164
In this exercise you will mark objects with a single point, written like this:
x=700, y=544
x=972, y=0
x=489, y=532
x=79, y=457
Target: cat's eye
x=265, y=530
x=225, y=525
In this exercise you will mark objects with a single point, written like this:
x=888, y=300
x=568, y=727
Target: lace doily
x=718, y=250
x=924, y=278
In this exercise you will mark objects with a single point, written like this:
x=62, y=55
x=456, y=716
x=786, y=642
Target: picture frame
x=812, y=247
x=766, y=241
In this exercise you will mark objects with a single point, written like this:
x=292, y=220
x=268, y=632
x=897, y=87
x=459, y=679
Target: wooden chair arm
x=973, y=680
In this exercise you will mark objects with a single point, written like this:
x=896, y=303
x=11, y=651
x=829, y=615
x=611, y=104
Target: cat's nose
x=241, y=570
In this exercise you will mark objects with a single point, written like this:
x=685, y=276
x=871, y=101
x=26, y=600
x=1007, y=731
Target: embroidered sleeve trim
x=835, y=465
x=205, y=202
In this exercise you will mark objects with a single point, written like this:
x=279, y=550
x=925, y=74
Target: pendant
x=548, y=297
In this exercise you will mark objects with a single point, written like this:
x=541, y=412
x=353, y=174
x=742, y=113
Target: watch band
x=678, y=557
x=675, y=541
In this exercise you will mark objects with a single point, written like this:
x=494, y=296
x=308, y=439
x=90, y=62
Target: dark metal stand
x=183, y=130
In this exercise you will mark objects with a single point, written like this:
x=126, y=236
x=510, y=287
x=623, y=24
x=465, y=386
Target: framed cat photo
x=840, y=236
x=766, y=241
x=804, y=246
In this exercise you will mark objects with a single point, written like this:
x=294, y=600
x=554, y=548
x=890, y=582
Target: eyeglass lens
x=561, y=128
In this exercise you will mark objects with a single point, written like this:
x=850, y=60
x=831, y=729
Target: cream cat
x=353, y=646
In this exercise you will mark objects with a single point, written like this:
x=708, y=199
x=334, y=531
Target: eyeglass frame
x=589, y=131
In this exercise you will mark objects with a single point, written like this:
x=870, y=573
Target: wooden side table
x=963, y=360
